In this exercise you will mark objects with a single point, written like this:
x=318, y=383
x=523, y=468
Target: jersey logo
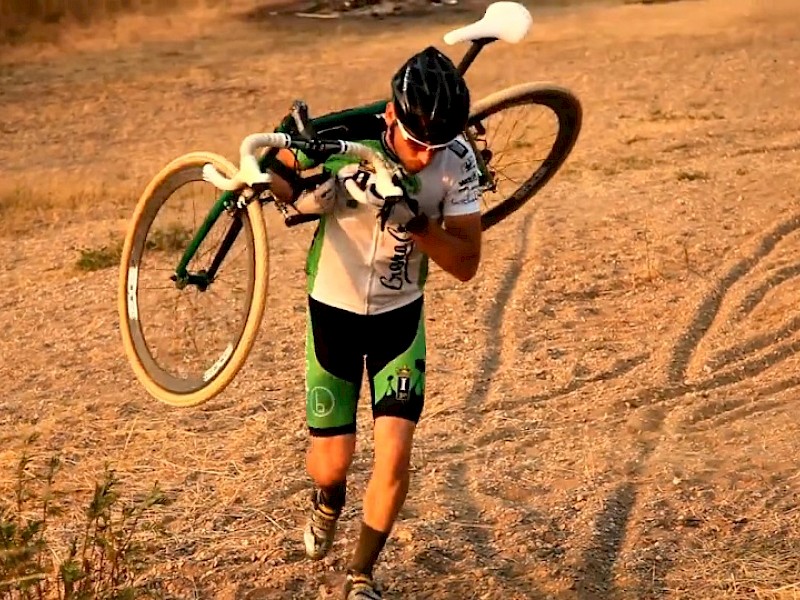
x=398, y=266
x=465, y=182
x=459, y=149
x=469, y=196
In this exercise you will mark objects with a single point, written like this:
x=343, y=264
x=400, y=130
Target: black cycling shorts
x=340, y=343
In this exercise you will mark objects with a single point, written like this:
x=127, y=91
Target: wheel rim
x=185, y=337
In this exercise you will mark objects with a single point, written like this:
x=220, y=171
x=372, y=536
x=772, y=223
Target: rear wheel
x=523, y=134
x=187, y=337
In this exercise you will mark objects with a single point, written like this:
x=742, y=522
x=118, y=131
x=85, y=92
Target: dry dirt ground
x=610, y=401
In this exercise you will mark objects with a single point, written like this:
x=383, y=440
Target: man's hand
x=319, y=200
x=394, y=206
x=405, y=215
x=456, y=247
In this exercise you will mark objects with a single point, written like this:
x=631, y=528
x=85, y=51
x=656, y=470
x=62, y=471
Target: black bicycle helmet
x=431, y=98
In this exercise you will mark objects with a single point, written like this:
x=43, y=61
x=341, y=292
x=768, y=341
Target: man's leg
x=386, y=491
x=328, y=459
x=396, y=366
x=327, y=462
x=333, y=374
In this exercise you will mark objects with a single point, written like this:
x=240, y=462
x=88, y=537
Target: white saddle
x=507, y=21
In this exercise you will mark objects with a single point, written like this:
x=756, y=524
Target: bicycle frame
x=230, y=200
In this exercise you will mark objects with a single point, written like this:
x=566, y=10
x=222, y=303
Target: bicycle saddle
x=507, y=21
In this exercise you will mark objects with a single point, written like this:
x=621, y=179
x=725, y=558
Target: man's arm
x=456, y=247
x=314, y=195
x=282, y=189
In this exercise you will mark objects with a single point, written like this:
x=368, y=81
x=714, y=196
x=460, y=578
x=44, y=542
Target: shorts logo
x=403, y=384
x=321, y=401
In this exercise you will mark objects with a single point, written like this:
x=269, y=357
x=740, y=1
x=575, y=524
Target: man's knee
x=392, y=469
x=329, y=458
x=393, y=442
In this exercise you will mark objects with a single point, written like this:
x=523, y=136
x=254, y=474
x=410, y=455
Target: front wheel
x=522, y=136
x=187, y=332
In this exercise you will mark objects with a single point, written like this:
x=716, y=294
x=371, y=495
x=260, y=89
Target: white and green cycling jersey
x=355, y=266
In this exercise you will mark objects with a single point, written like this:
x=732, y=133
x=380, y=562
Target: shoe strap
x=363, y=587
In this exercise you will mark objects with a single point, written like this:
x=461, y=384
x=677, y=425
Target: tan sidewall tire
x=258, y=303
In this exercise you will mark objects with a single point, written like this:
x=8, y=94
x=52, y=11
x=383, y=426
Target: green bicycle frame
x=228, y=199
x=182, y=277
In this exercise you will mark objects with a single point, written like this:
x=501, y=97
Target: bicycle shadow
x=482, y=539
x=485, y=544
x=482, y=542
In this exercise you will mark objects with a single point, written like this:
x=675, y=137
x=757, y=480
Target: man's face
x=413, y=155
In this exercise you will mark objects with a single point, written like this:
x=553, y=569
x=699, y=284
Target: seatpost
x=472, y=53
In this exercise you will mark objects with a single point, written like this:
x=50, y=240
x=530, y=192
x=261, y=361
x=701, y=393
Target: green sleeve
x=336, y=162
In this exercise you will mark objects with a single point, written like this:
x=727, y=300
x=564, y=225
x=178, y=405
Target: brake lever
x=299, y=113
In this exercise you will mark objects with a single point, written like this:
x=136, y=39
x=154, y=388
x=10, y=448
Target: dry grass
x=25, y=20
x=25, y=211
x=104, y=257
x=761, y=566
x=103, y=553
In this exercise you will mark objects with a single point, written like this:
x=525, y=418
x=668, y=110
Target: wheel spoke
x=525, y=130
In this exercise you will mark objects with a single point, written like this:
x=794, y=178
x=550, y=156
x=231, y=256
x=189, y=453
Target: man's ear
x=389, y=114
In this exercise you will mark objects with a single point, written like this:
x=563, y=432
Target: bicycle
x=195, y=264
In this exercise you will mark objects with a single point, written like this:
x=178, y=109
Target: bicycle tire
x=184, y=169
x=568, y=111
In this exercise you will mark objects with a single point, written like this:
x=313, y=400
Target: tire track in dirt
x=755, y=344
x=686, y=348
x=620, y=368
x=614, y=522
x=711, y=306
x=600, y=559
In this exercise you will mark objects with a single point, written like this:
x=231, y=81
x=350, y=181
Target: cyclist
x=365, y=304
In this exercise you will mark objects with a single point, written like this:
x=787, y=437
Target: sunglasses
x=425, y=145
